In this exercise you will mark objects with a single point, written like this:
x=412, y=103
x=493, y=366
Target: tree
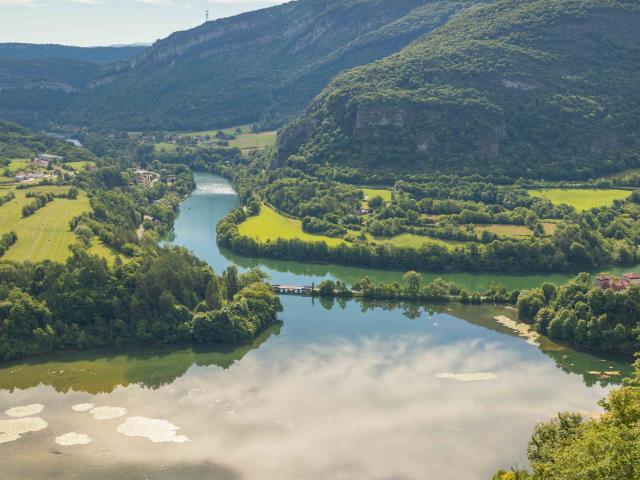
x=327, y=288
x=529, y=303
x=231, y=283
x=376, y=202
x=413, y=279
x=213, y=294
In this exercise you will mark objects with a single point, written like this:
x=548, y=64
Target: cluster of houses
x=145, y=177
x=41, y=161
x=44, y=160
x=605, y=281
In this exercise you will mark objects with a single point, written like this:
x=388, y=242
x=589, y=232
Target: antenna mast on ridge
x=206, y=16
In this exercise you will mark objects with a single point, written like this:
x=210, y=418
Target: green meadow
x=581, y=198
x=46, y=234
x=81, y=165
x=369, y=193
x=270, y=225
x=513, y=231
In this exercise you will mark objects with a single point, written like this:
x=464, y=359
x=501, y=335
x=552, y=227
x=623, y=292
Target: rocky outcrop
x=539, y=88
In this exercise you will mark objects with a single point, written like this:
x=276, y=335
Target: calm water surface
x=339, y=390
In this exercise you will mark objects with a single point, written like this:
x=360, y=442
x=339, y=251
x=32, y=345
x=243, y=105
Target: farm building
x=605, y=281
x=45, y=157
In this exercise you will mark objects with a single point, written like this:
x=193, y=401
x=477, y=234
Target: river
x=340, y=389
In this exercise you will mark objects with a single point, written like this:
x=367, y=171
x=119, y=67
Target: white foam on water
x=73, y=438
x=468, y=377
x=156, y=430
x=83, y=407
x=25, y=410
x=108, y=413
x=13, y=429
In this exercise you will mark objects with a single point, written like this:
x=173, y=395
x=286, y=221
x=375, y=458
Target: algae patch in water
x=11, y=430
x=155, y=430
x=70, y=439
x=25, y=410
x=82, y=407
x=108, y=413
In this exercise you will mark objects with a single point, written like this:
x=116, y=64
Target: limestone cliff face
x=539, y=88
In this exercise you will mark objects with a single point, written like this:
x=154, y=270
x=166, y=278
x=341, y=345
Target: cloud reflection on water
x=371, y=408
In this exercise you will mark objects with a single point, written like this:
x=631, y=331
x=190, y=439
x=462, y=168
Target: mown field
x=415, y=241
x=254, y=141
x=18, y=164
x=80, y=166
x=513, y=231
x=369, y=193
x=271, y=225
x=45, y=235
x=581, y=198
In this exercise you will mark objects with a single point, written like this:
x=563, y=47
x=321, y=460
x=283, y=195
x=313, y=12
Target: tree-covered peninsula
x=110, y=284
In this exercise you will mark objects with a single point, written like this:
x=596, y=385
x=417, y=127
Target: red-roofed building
x=632, y=277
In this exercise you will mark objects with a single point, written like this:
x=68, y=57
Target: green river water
x=340, y=389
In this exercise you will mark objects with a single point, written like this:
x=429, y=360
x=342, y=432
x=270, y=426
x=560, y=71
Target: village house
x=632, y=277
x=606, y=282
x=44, y=159
x=145, y=177
x=27, y=176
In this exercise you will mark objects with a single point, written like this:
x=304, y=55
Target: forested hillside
x=37, y=82
x=536, y=88
x=35, y=91
x=262, y=66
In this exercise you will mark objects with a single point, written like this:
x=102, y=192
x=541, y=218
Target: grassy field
x=270, y=225
x=168, y=147
x=581, y=198
x=80, y=166
x=18, y=164
x=550, y=226
x=369, y=193
x=416, y=241
x=45, y=235
x=513, y=231
x=254, y=141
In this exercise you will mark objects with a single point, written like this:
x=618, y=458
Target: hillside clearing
x=513, y=231
x=254, y=141
x=581, y=198
x=369, y=193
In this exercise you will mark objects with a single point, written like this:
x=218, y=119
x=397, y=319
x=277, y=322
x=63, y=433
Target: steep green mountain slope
x=263, y=66
x=534, y=88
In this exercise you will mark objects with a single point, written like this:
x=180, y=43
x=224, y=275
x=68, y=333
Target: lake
x=340, y=389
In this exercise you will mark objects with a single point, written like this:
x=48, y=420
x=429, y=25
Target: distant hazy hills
x=261, y=66
x=30, y=51
x=538, y=88
x=37, y=82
